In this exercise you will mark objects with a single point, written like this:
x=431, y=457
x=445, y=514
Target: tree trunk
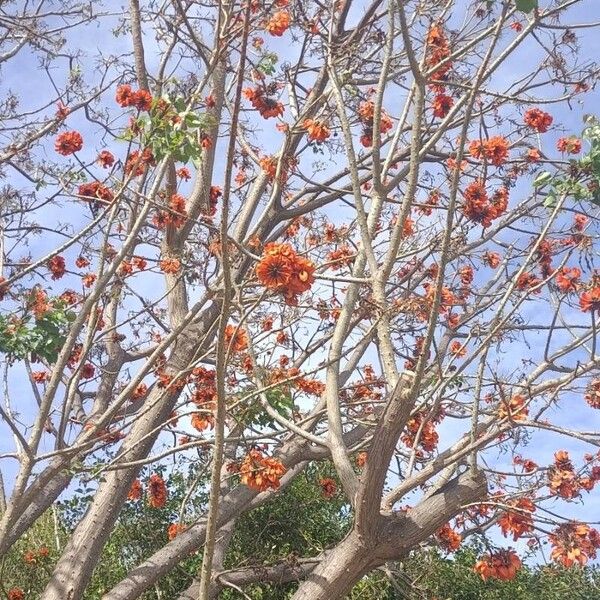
x=335, y=577
x=74, y=568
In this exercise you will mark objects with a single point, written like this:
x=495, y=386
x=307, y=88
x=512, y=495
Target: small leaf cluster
x=171, y=129
x=42, y=337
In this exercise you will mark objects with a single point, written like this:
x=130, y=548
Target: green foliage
x=582, y=179
x=172, y=129
x=454, y=579
x=43, y=337
x=297, y=523
x=526, y=6
x=267, y=63
x=279, y=398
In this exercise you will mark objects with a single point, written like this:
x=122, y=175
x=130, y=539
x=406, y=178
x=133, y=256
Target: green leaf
x=526, y=6
x=542, y=179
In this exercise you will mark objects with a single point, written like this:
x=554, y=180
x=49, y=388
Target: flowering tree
x=256, y=236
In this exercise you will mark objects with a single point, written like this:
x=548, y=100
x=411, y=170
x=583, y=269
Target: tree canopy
x=299, y=299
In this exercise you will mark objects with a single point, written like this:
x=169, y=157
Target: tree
x=260, y=235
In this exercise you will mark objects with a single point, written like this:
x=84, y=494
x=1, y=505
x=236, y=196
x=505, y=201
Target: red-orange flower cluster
x=538, y=119
x=237, y=338
x=140, y=99
x=569, y=145
x=56, y=265
x=175, y=529
x=589, y=301
x=263, y=102
x=366, y=113
x=449, y=539
x=106, y=159
x=562, y=479
x=97, y=191
x=277, y=25
x=514, y=409
x=592, y=396
x=328, y=487
x=503, y=565
x=494, y=150
x=282, y=270
x=517, y=522
x=574, y=543
x=317, y=130
x=68, y=142
x=135, y=491
x=479, y=208
x=260, y=472
x=175, y=217
x=438, y=50
x=157, y=491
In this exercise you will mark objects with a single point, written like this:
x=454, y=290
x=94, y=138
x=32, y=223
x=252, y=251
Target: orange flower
x=140, y=391
x=238, y=338
x=259, y=472
x=202, y=421
x=106, y=159
x=567, y=279
x=518, y=522
x=503, y=565
x=169, y=265
x=95, y=190
x=533, y=155
x=40, y=376
x=515, y=410
x=579, y=222
x=282, y=270
x=317, y=130
x=590, y=301
x=174, y=530
x=479, y=208
x=269, y=165
x=266, y=105
x=562, y=480
x=328, y=487
x=527, y=281
x=457, y=349
x=491, y=259
x=366, y=112
x=574, y=543
x=137, y=162
x=437, y=51
x=310, y=386
x=16, y=594
x=140, y=99
x=135, y=492
x=89, y=279
x=538, y=119
x=278, y=23
x=448, y=538
x=570, y=145
x=157, y=491
x=274, y=272
x=68, y=143
x=441, y=105
x=361, y=459
x=592, y=397
x=56, y=265
x=495, y=150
